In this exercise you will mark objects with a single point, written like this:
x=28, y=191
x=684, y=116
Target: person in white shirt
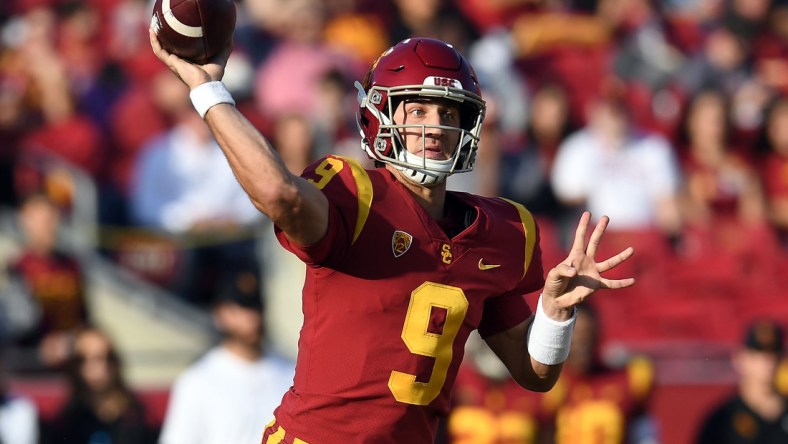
x=229, y=394
x=184, y=190
x=181, y=181
x=18, y=420
x=610, y=167
x=18, y=415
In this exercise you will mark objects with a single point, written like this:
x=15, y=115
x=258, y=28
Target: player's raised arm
x=545, y=337
x=296, y=206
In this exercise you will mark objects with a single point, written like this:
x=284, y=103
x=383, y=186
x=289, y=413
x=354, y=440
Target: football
x=194, y=30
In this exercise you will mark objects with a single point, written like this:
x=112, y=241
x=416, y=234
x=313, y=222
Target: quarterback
x=399, y=270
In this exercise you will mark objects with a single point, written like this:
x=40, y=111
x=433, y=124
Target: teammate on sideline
x=399, y=270
x=757, y=413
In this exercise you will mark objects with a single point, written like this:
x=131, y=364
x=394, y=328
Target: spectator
x=747, y=18
x=525, y=175
x=18, y=415
x=484, y=180
x=100, y=408
x=770, y=51
x=184, y=188
x=645, y=54
x=61, y=129
x=231, y=392
x=774, y=148
x=588, y=385
x=555, y=45
x=300, y=58
x=719, y=63
x=757, y=412
x=489, y=407
x=176, y=187
x=295, y=141
x=722, y=194
x=52, y=279
x=356, y=29
x=437, y=19
x=612, y=168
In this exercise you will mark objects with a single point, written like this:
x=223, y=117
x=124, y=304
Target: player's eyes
x=421, y=112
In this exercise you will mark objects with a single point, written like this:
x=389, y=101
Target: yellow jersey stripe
x=364, y=188
x=279, y=436
x=529, y=227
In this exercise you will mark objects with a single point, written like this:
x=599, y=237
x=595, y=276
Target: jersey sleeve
x=349, y=191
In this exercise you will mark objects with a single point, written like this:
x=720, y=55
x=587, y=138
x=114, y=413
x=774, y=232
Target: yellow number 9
x=421, y=341
x=327, y=169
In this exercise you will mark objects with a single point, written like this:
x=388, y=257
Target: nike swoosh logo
x=483, y=266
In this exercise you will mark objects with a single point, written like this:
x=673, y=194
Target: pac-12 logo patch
x=400, y=243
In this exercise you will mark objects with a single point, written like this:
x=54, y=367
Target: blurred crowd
x=670, y=116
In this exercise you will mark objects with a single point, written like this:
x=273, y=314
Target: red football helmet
x=419, y=67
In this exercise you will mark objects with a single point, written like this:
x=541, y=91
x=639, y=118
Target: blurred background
x=118, y=212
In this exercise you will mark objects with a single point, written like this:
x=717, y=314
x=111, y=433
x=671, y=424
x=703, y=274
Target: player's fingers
x=565, y=271
x=160, y=52
x=596, y=236
x=614, y=261
x=580, y=232
x=154, y=40
x=561, y=272
x=617, y=283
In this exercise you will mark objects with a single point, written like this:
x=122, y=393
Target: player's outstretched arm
x=293, y=204
x=534, y=351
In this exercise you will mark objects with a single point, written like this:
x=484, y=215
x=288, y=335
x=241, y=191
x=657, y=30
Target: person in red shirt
x=490, y=407
x=774, y=166
x=600, y=403
x=399, y=270
x=52, y=281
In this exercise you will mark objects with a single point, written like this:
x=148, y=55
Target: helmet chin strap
x=438, y=171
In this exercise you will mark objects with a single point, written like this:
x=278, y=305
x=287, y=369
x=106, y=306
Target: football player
x=600, y=403
x=399, y=270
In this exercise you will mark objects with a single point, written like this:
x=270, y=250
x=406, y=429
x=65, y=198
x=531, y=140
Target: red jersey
x=599, y=406
x=775, y=176
x=389, y=301
x=493, y=411
x=56, y=282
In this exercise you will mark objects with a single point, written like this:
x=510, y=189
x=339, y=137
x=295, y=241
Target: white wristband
x=549, y=340
x=209, y=94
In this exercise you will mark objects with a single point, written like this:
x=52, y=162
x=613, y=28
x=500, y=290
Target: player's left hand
x=579, y=275
x=190, y=73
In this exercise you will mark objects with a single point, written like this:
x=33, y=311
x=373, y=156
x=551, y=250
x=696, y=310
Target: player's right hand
x=191, y=74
